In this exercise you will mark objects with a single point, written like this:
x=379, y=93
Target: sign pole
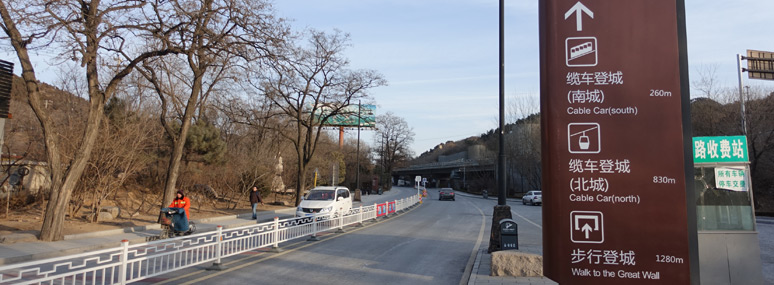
x=739, y=58
x=6, y=82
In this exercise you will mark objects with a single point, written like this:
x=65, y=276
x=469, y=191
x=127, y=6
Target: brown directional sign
x=614, y=103
x=760, y=64
x=6, y=78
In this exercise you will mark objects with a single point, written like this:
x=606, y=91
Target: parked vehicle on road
x=325, y=200
x=533, y=198
x=446, y=194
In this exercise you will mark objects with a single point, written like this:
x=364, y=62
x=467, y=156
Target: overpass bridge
x=455, y=173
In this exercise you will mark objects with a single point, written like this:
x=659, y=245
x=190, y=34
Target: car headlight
x=300, y=209
x=325, y=210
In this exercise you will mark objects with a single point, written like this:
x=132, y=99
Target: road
x=434, y=243
x=765, y=227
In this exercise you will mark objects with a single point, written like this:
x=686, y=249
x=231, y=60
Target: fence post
x=314, y=228
x=124, y=258
x=275, y=236
x=218, y=265
x=376, y=211
x=386, y=210
x=341, y=222
x=360, y=216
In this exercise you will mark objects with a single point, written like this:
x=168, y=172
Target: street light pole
x=501, y=156
x=357, y=180
x=501, y=210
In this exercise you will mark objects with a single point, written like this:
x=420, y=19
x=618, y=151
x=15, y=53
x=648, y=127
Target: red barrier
x=381, y=209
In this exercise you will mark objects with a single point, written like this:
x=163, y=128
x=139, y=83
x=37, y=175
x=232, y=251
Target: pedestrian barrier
x=131, y=263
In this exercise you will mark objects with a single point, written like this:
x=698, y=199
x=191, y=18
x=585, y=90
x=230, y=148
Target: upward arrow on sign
x=578, y=9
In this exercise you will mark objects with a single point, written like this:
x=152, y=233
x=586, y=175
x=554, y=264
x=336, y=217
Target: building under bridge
x=472, y=169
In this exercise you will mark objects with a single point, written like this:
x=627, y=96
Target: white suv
x=325, y=200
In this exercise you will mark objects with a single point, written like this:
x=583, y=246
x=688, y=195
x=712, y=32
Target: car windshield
x=321, y=195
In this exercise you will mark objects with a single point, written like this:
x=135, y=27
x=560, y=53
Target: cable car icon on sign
x=584, y=138
x=584, y=142
x=580, y=51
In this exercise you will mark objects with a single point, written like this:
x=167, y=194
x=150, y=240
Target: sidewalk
x=483, y=267
x=79, y=243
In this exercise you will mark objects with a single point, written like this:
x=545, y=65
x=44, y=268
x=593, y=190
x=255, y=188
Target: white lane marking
x=528, y=220
x=472, y=259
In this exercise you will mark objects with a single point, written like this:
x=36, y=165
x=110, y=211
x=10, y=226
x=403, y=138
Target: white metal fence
x=130, y=263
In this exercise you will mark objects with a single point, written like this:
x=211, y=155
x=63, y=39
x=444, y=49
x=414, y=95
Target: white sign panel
x=730, y=178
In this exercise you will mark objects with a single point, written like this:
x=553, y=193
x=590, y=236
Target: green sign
x=349, y=116
x=720, y=149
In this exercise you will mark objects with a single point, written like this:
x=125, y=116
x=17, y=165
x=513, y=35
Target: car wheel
x=523, y=202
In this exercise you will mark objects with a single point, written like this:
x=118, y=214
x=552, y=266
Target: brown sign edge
x=690, y=193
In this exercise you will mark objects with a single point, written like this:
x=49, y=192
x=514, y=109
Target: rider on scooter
x=180, y=205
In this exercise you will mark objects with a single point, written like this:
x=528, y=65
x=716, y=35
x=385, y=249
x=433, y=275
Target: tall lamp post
x=501, y=211
x=357, y=179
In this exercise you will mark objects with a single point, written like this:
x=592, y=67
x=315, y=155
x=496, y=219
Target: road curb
x=476, y=266
x=113, y=232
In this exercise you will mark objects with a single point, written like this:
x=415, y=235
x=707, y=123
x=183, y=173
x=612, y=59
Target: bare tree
x=218, y=36
x=523, y=144
x=523, y=153
x=94, y=32
x=118, y=156
x=309, y=85
x=254, y=141
x=393, y=141
x=760, y=135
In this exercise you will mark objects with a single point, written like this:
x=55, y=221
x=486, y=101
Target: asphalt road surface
x=766, y=237
x=434, y=243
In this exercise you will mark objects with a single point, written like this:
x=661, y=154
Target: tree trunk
x=173, y=171
x=54, y=216
x=300, y=179
x=53, y=220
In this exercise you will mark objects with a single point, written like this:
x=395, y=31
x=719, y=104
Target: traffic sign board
x=614, y=106
x=760, y=64
x=720, y=149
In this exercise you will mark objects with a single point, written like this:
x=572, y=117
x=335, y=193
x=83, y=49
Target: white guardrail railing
x=130, y=263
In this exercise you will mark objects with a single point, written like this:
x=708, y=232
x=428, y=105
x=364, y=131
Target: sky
x=440, y=57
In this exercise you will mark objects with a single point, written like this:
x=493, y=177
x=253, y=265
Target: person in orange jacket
x=181, y=201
